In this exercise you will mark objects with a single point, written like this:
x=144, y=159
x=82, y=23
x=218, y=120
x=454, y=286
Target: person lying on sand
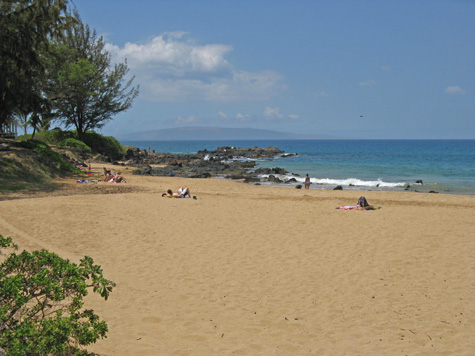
x=362, y=204
x=182, y=193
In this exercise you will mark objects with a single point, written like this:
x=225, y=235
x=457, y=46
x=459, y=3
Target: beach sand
x=254, y=270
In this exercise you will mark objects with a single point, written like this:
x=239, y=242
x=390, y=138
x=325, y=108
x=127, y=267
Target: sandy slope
x=252, y=270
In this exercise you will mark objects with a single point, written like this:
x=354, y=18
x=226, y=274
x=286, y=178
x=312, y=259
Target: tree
x=41, y=303
x=23, y=119
x=85, y=89
x=26, y=27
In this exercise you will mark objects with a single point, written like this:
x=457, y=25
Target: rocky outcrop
x=228, y=162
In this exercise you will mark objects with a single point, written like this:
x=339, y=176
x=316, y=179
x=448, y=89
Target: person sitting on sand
x=362, y=203
x=119, y=179
x=109, y=177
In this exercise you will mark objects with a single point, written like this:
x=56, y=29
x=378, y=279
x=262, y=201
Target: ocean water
x=445, y=166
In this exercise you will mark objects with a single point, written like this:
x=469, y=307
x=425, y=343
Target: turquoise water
x=446, y=166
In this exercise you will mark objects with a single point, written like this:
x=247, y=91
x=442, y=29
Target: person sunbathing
x=181, y=193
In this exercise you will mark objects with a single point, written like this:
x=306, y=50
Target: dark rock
x=433, y=191
x=221, y=161
x=338, y=187
x=273, y=179
x=276, y=170
x=251, y=179
x=235, y=176
x=420, y=181
x=298, y=186
x=145, y=170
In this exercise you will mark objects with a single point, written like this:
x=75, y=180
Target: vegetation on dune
x=72, y=142
x=107, y=146
x=41, y=303
x=33, y=163
x=48, y=156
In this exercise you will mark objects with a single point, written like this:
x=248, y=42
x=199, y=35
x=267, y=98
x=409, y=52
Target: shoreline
x=443, y=165
x=328, y=187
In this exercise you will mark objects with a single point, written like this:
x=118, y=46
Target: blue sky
x=311, y=67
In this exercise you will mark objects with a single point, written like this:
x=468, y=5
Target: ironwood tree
x=85, y=88
x=26, y=29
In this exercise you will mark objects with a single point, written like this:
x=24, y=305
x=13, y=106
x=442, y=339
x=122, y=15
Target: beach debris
x=298, y=186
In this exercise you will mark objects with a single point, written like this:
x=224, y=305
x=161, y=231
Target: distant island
x=215, y=133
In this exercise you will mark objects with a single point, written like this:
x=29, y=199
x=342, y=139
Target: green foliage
x=49, y=156
x=26, y=27
x=85, y=88
x=51, y=137
x=93, y=142
x=41, y=303
x=105, y=145
x=72, y=142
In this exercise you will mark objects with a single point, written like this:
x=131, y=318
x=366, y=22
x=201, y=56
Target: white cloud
x=193, y=119
x=167, y=54
x=454, y=90
x=222, y=115
x=273, y=112
x=243, y=117
x=367, y=83
x=171, y=69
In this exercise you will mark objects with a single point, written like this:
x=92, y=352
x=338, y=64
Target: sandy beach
x=254, y=270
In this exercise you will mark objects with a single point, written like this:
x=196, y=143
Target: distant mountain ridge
x=215, y=133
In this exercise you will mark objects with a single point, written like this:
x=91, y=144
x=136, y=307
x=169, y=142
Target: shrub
x=72, y=142
x=41, y=303
x=105, y=145
x=49, y=156
x=52, y=137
